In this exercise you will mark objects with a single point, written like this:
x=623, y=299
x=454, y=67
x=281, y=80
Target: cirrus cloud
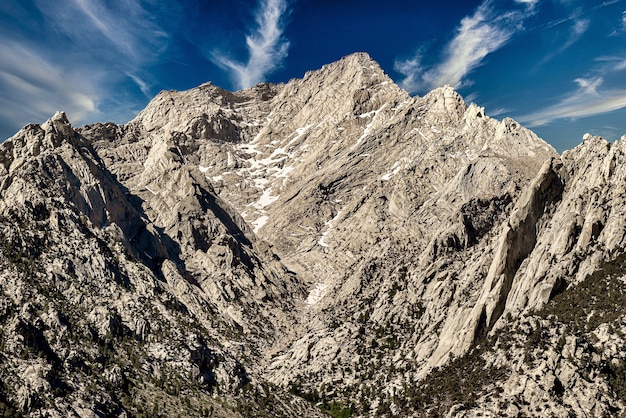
x=478, y=35
x=73, y=55
x=41, y=86
x=588, y=99
x=577, y=30
x=267, y=49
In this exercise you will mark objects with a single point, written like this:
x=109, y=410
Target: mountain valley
x=331, y=246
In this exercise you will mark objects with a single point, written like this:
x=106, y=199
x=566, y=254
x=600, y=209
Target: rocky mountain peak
x=326, y=246
x=446, y=102
x=34, y=139
x=353, y=72
x=356, y=62
x=58, y=124
x=360, y=61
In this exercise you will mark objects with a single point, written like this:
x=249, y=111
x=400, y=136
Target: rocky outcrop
x=103, y=290
x=517, y=240
x=325, y=245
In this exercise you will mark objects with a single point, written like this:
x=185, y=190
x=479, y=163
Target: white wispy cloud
x=33, y=88
x=415, y=77
x=125, y=37
x=577, y=30
x=266, y=46
x=611, y=63
x=478, y=35
x=600, y=91
x=589, y=86
x=82, y=50
x=499, y=111
x=620, y=65
x=587, y=99
x=142, y=84
x=530, y=3
x=622, y=25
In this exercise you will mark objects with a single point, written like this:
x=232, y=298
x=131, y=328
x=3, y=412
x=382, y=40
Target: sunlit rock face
x=328, y=245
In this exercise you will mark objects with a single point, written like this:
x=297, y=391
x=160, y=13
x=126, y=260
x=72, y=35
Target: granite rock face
x=298, y=249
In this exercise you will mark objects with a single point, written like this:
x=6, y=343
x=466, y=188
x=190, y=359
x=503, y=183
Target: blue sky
x=556, y=66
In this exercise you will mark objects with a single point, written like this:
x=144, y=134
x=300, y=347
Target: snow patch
x=394, y=170
x=300, y=132
x=368, y=114
x=367, y=129
x=322, y=239
x=266, y=199
x=264, y=166
x=261, y=182
x=258, y=223
x=329, y=227
x=248, y=148
x=316, y=294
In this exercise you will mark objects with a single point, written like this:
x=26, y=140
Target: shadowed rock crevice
x=519, y=238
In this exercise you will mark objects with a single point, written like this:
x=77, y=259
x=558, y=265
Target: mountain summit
x=328, y=246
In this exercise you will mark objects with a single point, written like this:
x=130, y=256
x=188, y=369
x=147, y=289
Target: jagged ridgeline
x=328, y=246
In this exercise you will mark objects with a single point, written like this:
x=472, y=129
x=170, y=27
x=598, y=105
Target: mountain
x=328, y=246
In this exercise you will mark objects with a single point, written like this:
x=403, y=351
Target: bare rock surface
x=330, y=245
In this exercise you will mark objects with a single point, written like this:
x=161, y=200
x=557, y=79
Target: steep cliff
x=328, y=245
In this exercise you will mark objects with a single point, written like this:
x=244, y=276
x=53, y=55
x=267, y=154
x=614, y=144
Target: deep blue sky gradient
x=556, y=66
